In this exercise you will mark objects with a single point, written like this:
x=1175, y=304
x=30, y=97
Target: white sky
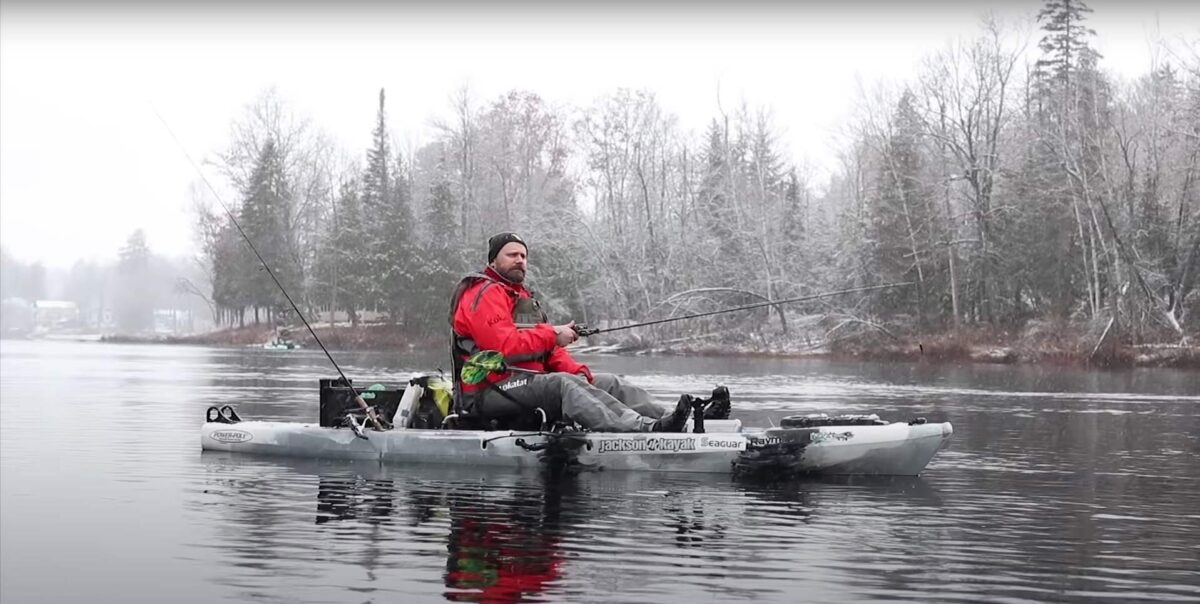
x=84, y=161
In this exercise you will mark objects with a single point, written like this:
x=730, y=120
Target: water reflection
x=512, y=536
x=504, y=543
x=503, y=539
x=355, y=498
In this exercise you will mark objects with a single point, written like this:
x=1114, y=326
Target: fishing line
x=358, y=398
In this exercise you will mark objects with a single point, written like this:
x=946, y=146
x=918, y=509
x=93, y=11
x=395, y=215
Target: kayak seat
x=523, y=422
x=504, y=415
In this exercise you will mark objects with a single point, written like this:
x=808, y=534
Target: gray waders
x=608, y=405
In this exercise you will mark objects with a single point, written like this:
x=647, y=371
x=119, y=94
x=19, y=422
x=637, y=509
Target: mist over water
x=1059, y=484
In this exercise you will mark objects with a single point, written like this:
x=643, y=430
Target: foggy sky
x=84, y=161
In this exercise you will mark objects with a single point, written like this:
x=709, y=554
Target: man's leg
x=634, y=397
x=581, y=402
x=511, y=401
x=585, y=404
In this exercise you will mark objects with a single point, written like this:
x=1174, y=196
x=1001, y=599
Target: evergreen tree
x=376, y=201
x=399, y=254
x=442, y=258
x=900, y=217
x=264, y=219
x=792, y=225
x=1073, y=119
x=719, y=243
x=1064, y=45
x=1151, y=221
x=764, y=206
x=1038, y=255
x=134, y=309
x=344, y=268
x=386, y=204
x=232, y=273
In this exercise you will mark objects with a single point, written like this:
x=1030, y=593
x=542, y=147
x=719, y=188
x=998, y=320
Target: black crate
x=337, y=400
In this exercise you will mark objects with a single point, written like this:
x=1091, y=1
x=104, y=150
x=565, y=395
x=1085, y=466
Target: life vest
x=527, y=312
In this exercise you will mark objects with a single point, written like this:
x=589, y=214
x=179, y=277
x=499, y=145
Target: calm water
x=1059, y=485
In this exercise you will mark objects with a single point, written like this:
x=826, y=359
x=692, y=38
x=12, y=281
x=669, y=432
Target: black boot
x=720, y=406
x=674, y=421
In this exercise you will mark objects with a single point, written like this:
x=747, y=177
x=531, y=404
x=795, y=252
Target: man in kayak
x=492, y=310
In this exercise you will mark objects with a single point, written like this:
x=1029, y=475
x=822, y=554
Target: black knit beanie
x=500, y=240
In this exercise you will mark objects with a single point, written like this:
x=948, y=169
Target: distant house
x=173, y=321
x=55, y=315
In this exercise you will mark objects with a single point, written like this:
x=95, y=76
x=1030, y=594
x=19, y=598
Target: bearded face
x=511, y=262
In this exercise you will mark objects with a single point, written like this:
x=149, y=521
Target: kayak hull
x=889, y=449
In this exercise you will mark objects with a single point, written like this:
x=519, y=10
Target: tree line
x=118, y=296
x=1003, y=191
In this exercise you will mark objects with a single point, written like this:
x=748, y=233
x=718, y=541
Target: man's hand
x=565, y=334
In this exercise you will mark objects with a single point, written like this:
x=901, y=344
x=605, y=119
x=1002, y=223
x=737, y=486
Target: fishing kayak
x=814, y=444
x=899, y=449
x=281, y=345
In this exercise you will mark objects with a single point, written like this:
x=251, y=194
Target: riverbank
x=1041, y=343
x=341, y=337
x=970, y=348
x=1037, y=343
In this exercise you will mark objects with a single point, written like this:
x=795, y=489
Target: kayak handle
x=551, y=438
x=223, y=415
x=520, y=442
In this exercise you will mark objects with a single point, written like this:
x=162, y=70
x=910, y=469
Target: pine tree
x=1073, y=117
x=376, y=204
x=134, y=309
x=344, y=265
x=388, y=225
x=264, y=218
x=442, y=264
x=232, y=272
x=1064, y=46
x=901, y=217
x=718, y=243
x=400, y=247
x=792, y=229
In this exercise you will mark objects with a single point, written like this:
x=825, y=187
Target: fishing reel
x=584, y=331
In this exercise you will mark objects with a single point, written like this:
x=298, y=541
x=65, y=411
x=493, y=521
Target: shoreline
x=1151, y=356
x=951, y=348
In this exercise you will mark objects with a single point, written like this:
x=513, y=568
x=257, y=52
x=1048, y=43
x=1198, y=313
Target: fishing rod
x=585, y=331
x=357, y=397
